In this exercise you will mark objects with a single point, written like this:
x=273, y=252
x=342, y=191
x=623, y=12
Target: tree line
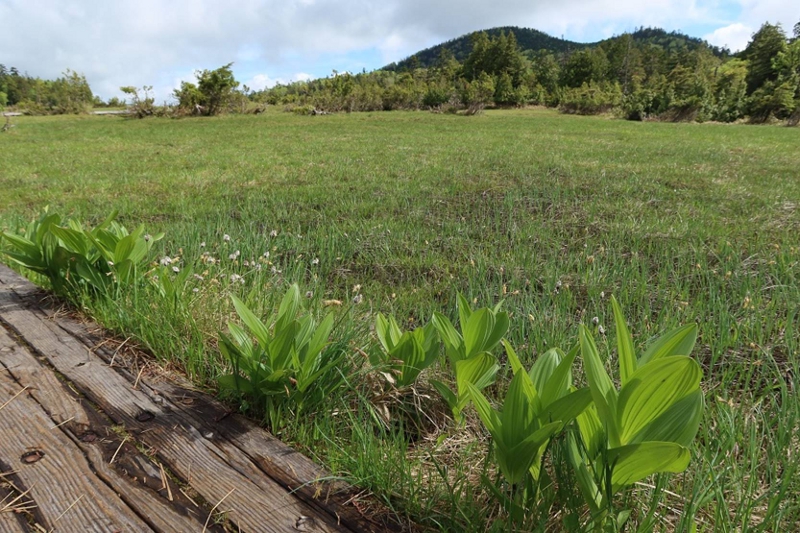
x=633, y=75
x=69, y=93
x=649, y=74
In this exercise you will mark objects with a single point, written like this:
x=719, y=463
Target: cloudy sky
x=161, y=42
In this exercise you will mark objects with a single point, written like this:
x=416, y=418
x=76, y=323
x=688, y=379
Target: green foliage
x=585, y=67
x=469, y=351
x=405, y=354
x=767, y=43
x=68, y=94
x=142, y=103
x=591, y=99
x=643, y=428
x=75, y=259
x=290, y=369
x=214, y=91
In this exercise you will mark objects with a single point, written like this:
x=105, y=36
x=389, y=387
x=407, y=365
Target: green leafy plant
x=290, y=366
x=537, y=405
x=406, y=354
x=469, y=351
x=646, y=426
x=73, y=257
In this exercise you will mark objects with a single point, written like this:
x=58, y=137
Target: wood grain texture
x=132, y=475
x=209, y=464
x=67, y=493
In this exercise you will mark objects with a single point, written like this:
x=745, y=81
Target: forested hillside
x=531, y=40
x=646, y=74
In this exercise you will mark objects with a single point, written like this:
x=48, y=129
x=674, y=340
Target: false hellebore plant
x=646, y=426
x=73, y=257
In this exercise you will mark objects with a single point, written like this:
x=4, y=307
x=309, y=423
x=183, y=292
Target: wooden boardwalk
x=89, y=444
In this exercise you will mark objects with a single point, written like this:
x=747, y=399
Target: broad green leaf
x=543, y=368
x=282, y=344
x=500, y=328
x=477, y=331
x=591, y=430
x=517, y=417
x=382, y=331
x=25, y=247
x=515, y=461
x=635, y=462
x=89, y=274
x=238, y=335
x=479, y=371
x=464, y=310
x=586, y=483
x=559, y=383
x=627, y=357
x=259, y=330
x=453, y=342
x=73, y=240
x=446, y=393
x=513, y=358
x=677, y=424
x=603, y=392
x=487, y=415
x=652, y=389
x=235, y=382
x=287, y=312
x=567, y=408
x=679, y=341
x=321, y=335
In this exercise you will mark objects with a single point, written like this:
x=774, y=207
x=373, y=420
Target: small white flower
x=147, y=237
x=236, y=278
x=210, y=260
x=356, y=288
x=111, y=263
x=226, y=238
x=601, y=330
x=275, y=270
x=310, y=294
x=315, y=261
x=603, y=295
x=273, y=233
x=258, y=267
x=246, y=263
x=358, y=298
x=166, y=260
x=232, y=257
x=176, y=269
x=266, y=255
x=195, y=290
x=203, y=244
x=198, y=277
x=595, y=321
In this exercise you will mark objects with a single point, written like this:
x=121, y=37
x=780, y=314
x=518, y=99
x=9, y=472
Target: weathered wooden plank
x=67, y=493
x=253, y=501
x=10, y=521
x=138, y=481
x=291, y=469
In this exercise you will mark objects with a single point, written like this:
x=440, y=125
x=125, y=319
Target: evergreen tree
x=766, y=44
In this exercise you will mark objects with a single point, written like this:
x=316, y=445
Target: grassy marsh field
x=551, y=213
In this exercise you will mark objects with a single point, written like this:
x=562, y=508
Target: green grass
x=681, y=222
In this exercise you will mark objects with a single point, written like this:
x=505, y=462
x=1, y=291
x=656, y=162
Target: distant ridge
x=533, y=40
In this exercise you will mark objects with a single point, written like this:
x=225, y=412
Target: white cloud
x=733, y=36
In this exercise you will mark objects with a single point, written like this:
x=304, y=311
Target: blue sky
x=161, y=42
